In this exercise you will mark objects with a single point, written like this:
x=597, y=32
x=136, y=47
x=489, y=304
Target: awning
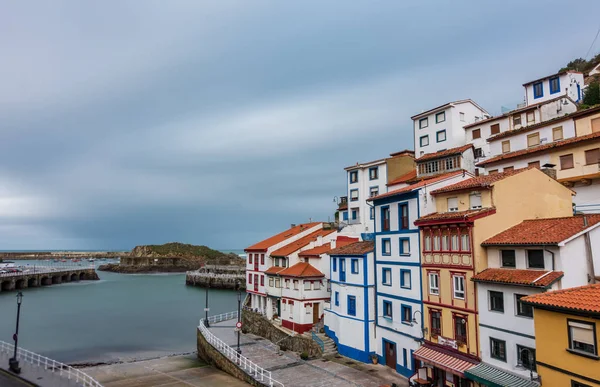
x=444, y=360
x=495, y=377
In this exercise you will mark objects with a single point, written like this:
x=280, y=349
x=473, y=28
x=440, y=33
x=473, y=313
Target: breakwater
x=37, y=255
x=217, y=277
x=45, y=276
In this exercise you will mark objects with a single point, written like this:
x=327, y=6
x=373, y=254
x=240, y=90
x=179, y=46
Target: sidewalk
x=36, y=375
x=289, y=369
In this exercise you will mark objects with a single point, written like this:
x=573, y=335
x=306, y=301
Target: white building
x=398, y=304
x=567, y=83
x=443, y=127
x=532, y=257
x=350, y=317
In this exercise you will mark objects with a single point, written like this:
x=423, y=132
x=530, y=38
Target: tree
x=591, y=96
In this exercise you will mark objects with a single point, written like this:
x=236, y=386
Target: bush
x=591, y=96
x=304, y=356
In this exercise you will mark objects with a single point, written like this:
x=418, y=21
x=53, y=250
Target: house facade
x=350, y=317
x=565, y=83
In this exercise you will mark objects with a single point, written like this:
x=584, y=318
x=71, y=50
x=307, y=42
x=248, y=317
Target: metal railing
x=318, y=340
x=50, y=365
x=23, y=270
x=249, y=367
x=587, y=208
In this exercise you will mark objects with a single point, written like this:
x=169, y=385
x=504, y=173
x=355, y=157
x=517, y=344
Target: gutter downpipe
x=476, y=307
x=589, y=254
x=374, y=276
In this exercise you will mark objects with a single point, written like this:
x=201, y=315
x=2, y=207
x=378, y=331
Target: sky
x=222, y=122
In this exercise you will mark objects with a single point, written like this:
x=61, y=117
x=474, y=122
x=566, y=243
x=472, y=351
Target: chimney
x=293, y=225
x=549, y=170
x=333, y=243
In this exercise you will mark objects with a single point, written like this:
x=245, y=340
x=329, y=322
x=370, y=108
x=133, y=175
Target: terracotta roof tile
x=482, y=181
x=540, y=148
x=357, y=248
x=343, y=240
x=406, y=178
x=301, y=269
x=315, y=251
x=457, y=216
x=274, y=270
x=547, y=231
x=300, y=243
x=580, y=299
x=448, y=152
x=418, y=185
x=265, y=244
x=539, y=278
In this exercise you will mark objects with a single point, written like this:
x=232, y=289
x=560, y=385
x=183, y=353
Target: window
x=354, y=266
x=566, y=161
x=582, y=337
x=440, y=117
x=530, y=117
x=508, y=258
x=250, y=278
x=526, y=357
x=404, y=246
x=262, y=259
x=372, y=212
x=535, y=259
x=476, y=133
x=492, y=171
x=387, y=309
x=508, y=169
x=427, y=246
x=452, y=204
x=534, y=164
x=423, y=123
x=495, y=129
x=373, y=173
x=436, y=243
x=434, y=287
x=351, y=305
x=250, y=258
x=523, y=310
x=592, y=156
x=440, y=136
x=533, y=139
x=373, y=191
x=334, y=264
x=506, y=146
x=354, y=177
x=475, y=201
x=387, y=277
x=462, y=116
x=424, y=140
x=317, y=285
x=578, y=384
x=262, y=280
x=435, y=317
x=296, y=284
x=354, y=214
x=455, y=242
x=459, y=286
x=460, y=329
x=277, y=283
x=386, y=246
x=465, y=242
x=496, y=301
x=538, y=90
x=557, y=133
x=271, y=282
x=595, y=125
x=478, y=153
x=554, y=85
x=498, y=349
x=353, y=195
x=406, y=312
x=445, y=242
x=385, y=218
x=517, y=120
x=337, y=298
x=405, y=279
x=306, y=285
x=403, y=211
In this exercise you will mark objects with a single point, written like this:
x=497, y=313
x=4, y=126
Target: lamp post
x=206, y=324
x=237, y=285
x=414, y=321
x=13, y=364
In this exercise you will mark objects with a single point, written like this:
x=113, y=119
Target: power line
x=592, y=45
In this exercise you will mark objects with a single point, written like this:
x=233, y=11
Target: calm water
x=119, y=317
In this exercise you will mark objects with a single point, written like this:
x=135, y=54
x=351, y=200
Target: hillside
x=182, y=250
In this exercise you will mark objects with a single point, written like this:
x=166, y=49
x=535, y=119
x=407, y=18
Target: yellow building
x=567, y=336
x=468, y=213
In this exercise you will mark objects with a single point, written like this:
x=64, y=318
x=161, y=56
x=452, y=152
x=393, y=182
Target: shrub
x=304, y=356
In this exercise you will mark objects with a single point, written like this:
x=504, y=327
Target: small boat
x=91, y=260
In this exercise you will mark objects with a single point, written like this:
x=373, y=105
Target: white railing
x=50, y=365
x=43, y=270
x=242, y=362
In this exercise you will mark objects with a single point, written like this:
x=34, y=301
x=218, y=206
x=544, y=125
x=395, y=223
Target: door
x=256, y=282
x=315, y=313
x=390, y=355
x=342, y=270
x=279, y=307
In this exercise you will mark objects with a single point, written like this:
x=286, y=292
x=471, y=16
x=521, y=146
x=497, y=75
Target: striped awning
x=495, y=377
x=444, y=360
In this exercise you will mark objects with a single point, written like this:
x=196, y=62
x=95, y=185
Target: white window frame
x=462, y=116
x=458, y=287
x=434, y=283
x=472, y=205
x=307, y=285
x=452, y=204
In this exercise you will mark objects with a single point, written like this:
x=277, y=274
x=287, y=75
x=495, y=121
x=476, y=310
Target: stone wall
x=257, y=324
x=209, y=354
x=215, y=281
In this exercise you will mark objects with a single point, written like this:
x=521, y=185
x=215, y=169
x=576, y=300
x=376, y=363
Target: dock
x=217, y=277
x=32, y=277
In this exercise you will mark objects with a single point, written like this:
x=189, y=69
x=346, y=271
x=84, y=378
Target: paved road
x=8, y=380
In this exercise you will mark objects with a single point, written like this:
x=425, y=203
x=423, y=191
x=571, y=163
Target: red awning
x=443, y=360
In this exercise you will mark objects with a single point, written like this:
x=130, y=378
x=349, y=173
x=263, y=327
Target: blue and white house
x=398, y=289
x=350, y=319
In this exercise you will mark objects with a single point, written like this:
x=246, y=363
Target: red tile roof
x=274, y=270
x=343, y=240
x=589, y=111
x=508, y=133
x=406, y=178
x=315, y=251
x=448, y=152
x=444, y=359
x=540, y=148
x=418, y=185
x=300, y=243
x=301, y=269
x=406, y=152
x=538, y=278
x=482, y=181
x=457, y=216
x=265, y=244
x=547, y=231
x=581, y=299
x=357, y=248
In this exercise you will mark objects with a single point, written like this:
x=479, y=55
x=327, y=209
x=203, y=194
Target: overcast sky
x=222, y=122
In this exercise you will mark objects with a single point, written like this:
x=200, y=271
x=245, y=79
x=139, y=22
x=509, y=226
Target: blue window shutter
x=334, y=264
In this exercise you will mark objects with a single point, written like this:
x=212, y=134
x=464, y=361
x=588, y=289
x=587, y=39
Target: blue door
x=342, y=270
x=345, y=216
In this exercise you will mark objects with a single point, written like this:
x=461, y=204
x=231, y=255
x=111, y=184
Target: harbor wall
x=217, y=277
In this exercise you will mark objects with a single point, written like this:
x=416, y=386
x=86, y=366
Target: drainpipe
x=589, y=254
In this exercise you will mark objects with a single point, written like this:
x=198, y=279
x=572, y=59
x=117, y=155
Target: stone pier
x=45, y=277
x=217, y=277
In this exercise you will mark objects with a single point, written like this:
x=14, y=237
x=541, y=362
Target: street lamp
x=237, y=285
x=206, y=324
x=531, y=361
x=414, y=321
x=13, y=364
